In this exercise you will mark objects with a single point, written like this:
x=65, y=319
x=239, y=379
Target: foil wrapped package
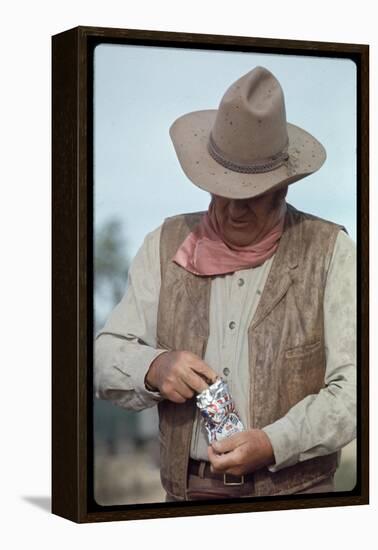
x=218, y=411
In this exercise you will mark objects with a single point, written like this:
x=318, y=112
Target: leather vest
x=285, y=339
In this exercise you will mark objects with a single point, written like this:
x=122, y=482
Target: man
x=252, y=290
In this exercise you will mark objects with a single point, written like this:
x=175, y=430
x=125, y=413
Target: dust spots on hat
x=294, y=154
x=292, y=162
x=248, y=185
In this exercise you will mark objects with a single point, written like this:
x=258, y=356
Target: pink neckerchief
x=203, y=252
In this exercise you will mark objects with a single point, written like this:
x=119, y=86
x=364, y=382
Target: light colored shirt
x=317, y=425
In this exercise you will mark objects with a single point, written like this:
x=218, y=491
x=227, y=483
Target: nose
x=237, y=208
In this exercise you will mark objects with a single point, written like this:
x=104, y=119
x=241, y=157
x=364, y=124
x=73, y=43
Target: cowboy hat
x=245, y=147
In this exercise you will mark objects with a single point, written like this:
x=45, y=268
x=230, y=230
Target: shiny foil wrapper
x=218, y=411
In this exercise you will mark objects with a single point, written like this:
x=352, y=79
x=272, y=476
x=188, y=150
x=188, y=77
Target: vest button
x=232, y=325
x=240, y=282
x=226, y=371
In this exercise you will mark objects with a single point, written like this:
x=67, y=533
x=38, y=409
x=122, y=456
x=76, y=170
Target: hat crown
x=250, y=125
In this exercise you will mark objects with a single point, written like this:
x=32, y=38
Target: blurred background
x=138, y=93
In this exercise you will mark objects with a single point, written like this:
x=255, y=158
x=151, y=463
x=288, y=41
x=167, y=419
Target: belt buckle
x=225, y=482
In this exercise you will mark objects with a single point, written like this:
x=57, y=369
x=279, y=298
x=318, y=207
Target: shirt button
x=226, y=371
x=240, y=282
x=232, y=325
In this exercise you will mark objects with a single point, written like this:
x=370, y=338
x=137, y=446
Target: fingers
x=183, y=389
x=176, y=397
x=194, y=372
x=200, y=367
x=195, y=382
x=181, y=374
x=176, y=390
x=223, y=463
x=229, y=443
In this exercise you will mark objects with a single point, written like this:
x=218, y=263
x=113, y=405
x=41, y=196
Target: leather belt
x=201, y=468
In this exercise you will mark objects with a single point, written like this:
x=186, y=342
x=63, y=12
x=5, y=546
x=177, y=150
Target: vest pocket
x=302, y=374
x=301, y=351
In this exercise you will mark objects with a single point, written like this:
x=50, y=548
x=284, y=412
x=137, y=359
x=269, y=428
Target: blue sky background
x=139, y=91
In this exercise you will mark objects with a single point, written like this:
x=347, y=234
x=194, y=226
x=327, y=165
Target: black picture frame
x=72, y=290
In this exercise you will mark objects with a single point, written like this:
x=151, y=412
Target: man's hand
x=179, y=374
x=244, y=453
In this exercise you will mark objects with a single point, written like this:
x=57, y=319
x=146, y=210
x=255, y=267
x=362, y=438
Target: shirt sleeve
x=126, y=346
x=325, y=422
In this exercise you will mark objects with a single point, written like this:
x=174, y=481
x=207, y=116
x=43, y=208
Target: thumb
x=226, y=445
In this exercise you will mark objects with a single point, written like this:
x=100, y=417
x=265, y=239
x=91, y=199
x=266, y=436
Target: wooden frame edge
x=71, y=285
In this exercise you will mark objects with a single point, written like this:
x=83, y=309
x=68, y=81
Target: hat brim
x=190, y=134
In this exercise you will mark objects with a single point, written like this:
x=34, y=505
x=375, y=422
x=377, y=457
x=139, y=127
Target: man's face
x=244, y=221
